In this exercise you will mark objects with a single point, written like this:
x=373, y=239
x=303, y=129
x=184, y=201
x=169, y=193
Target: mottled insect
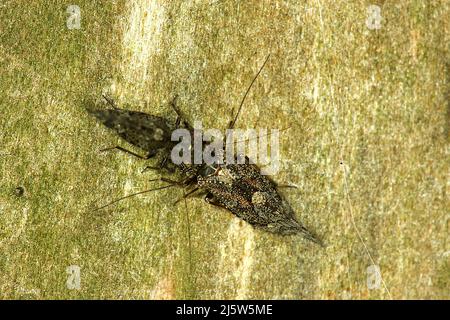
x=239, y=188
x=253, y=197
x=250, y=195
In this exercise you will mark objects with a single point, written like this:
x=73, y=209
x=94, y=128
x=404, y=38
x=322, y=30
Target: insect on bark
x=239, y=188
x=253, y=197
x=250, y=195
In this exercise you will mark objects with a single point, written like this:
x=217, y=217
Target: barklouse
x=250, y=195
x=253, y=197
x=239, y=188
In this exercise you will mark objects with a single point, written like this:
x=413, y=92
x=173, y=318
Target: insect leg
x=210, y=199
x=179, y=114
x=110, y=101
x=148, y=156
x=132, y=195
x=161, y=165
x=181, y=183
x=186, y=195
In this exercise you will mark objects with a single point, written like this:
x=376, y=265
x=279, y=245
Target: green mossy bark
x=367, y=146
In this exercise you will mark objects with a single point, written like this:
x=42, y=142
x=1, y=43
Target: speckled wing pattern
x=145, y=131
x=253, y=197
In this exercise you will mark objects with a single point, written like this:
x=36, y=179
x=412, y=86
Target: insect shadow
x=147, y=132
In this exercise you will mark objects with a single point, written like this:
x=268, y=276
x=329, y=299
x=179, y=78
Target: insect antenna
x=189, y=234
x=136, y=194
x=264, y=135
x=231, y=126
x=110, y=101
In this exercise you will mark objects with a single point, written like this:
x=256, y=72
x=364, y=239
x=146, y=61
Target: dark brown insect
x=253, y=197
x=239, y=188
